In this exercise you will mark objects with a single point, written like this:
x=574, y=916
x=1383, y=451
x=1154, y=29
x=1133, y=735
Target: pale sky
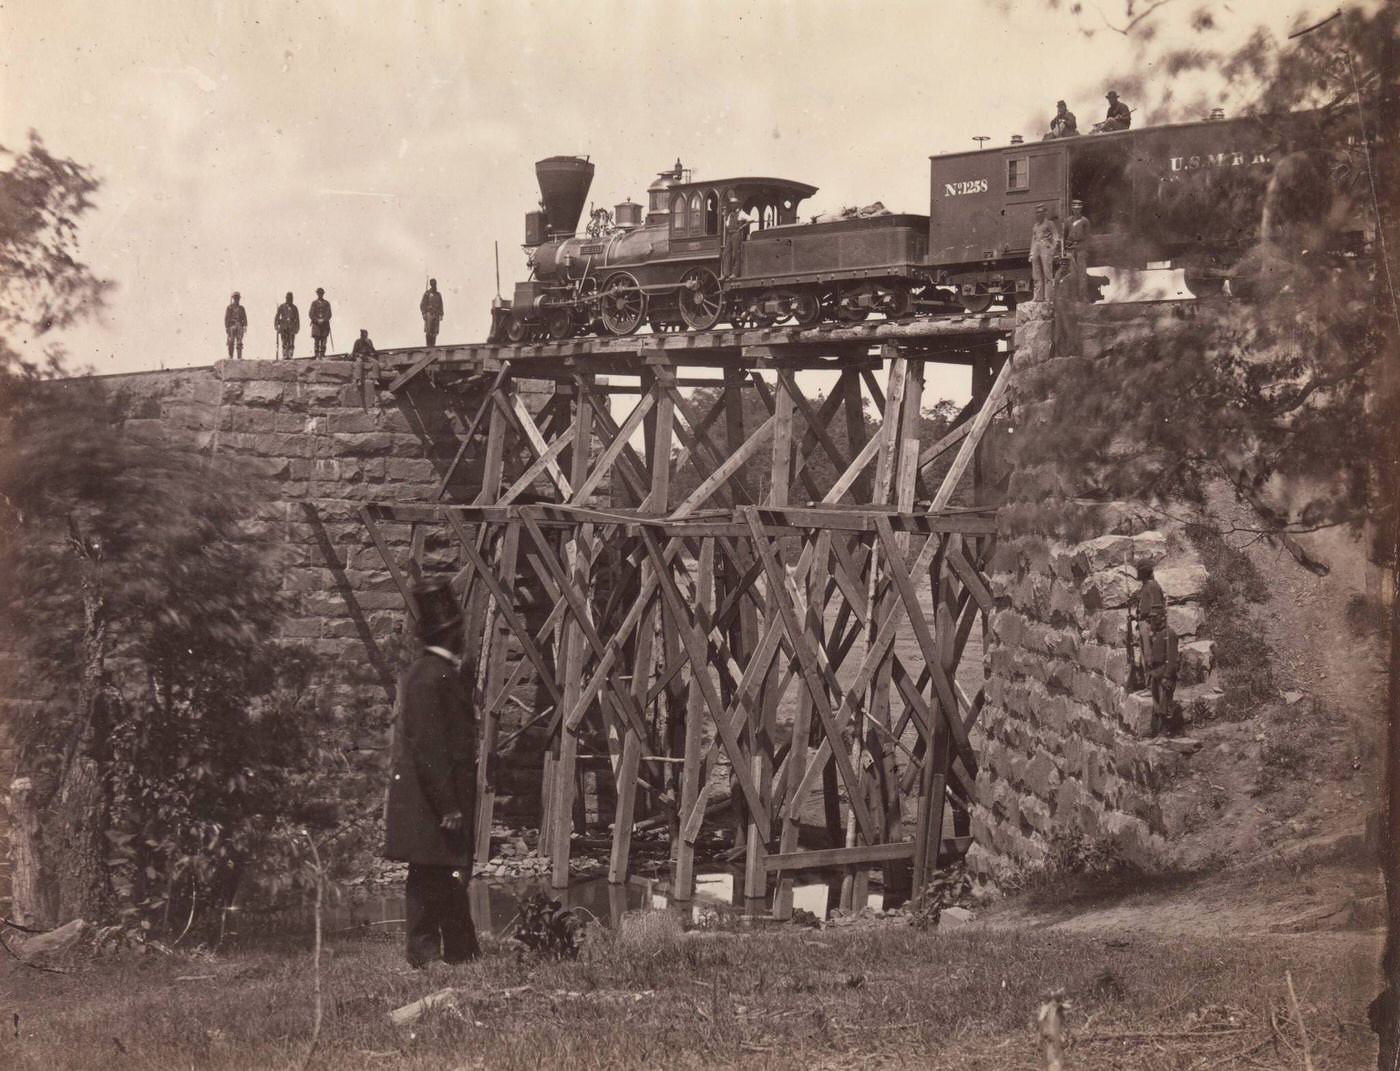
x=272, y=146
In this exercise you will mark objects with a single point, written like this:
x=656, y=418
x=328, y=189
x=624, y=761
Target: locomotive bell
x=564, y=183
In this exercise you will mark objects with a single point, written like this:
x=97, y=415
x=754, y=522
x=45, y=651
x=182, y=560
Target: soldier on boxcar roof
x=1119, y=116
x=1063, y=124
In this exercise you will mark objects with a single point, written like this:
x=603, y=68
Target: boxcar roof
x=1092, y=138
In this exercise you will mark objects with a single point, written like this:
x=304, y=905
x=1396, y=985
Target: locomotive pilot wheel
x=701, y=300
x=976, y=304
x=623, y=305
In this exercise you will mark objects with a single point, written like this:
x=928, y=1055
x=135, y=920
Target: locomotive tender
x=733, y=251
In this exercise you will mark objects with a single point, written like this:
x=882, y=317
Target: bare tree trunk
x=24, y=886
x=81, y=811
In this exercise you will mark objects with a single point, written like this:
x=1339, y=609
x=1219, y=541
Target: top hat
x=436, y=607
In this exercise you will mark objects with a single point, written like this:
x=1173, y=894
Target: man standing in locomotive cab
x=430, y=807
x=320, y=313
x=287, y=323
x=1045, y=243
x=1064, y=124
x=1076, y=251
x=1119, y=117
x=735, y=228
x=235, y=324
x=431, y=308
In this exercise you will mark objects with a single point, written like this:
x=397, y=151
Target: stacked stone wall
x=1064, y=743
x=324, y=442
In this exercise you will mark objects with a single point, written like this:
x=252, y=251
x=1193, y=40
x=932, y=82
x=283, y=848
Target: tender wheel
x=517, y=330
x=806, y=308
x=901, y=303
x=559, y=324
x=976, y=303
x=701, y=299
x=623, y=305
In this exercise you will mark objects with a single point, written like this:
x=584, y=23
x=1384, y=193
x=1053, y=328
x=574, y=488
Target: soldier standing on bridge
x=287, y=323
x=235, y=324
x=320, y=313
x=1045, y=243
x=431, y=308
x=364, y=348
x=1076, y=239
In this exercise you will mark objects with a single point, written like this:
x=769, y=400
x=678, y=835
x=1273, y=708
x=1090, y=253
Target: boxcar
x=1142, y=189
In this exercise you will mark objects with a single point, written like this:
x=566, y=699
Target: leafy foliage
x=547, y=928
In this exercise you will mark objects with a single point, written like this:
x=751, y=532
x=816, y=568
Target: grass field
x=648, y=996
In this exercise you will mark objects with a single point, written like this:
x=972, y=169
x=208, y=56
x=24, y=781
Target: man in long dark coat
x=430, y=811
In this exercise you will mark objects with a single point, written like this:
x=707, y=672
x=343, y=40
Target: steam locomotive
x=733, y=251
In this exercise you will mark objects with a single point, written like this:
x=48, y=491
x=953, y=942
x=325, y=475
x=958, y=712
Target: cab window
x=1018, y=174
x=678, y=215
x=711, y=214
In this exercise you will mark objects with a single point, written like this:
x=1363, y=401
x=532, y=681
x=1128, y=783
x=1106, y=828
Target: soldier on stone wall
x=287, y=323
x=1045, y=243
x=430, y=305
x=320, y=314
x=235, y=325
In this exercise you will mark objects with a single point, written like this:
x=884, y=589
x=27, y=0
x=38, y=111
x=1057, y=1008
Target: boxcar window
x=712, y=214
x=678, y=215
x=1018, y=174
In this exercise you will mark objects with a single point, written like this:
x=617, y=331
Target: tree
x=181, y=736
x=1298, y=392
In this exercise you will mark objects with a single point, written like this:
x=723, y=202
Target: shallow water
x=494, y=904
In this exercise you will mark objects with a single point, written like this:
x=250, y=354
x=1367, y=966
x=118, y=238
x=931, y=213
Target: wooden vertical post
x=854, y=890
x=571, y=647
x=761, y=742
x=691, y=772
x=656, y=504
x=745, y=640
x=482, y=626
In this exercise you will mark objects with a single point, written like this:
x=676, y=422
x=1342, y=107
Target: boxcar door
x=1030, y=175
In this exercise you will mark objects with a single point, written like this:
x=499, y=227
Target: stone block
x=1182, y=582
x=352, y=422
x=1136, y=714
x=300, y=628
x=362, y=445
x=1186, y=619
x=1108, y=589
x=1197, y=661
x=1069, y=797
x=242, y=371
x=410, y=469
x=1035, y=816
x=263, y=392
x=1042, y=776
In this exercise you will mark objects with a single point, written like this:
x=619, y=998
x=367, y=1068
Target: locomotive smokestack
x=564, y=183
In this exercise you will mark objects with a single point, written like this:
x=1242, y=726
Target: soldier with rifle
x=287, y=324
x=430, y=305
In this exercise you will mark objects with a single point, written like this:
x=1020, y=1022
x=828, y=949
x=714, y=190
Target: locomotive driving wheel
x=517, y=330
x=623, y=306
x=701, y=299
x=559, y=324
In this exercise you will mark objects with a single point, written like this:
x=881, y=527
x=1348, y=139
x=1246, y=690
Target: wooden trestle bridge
x=722, y=607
